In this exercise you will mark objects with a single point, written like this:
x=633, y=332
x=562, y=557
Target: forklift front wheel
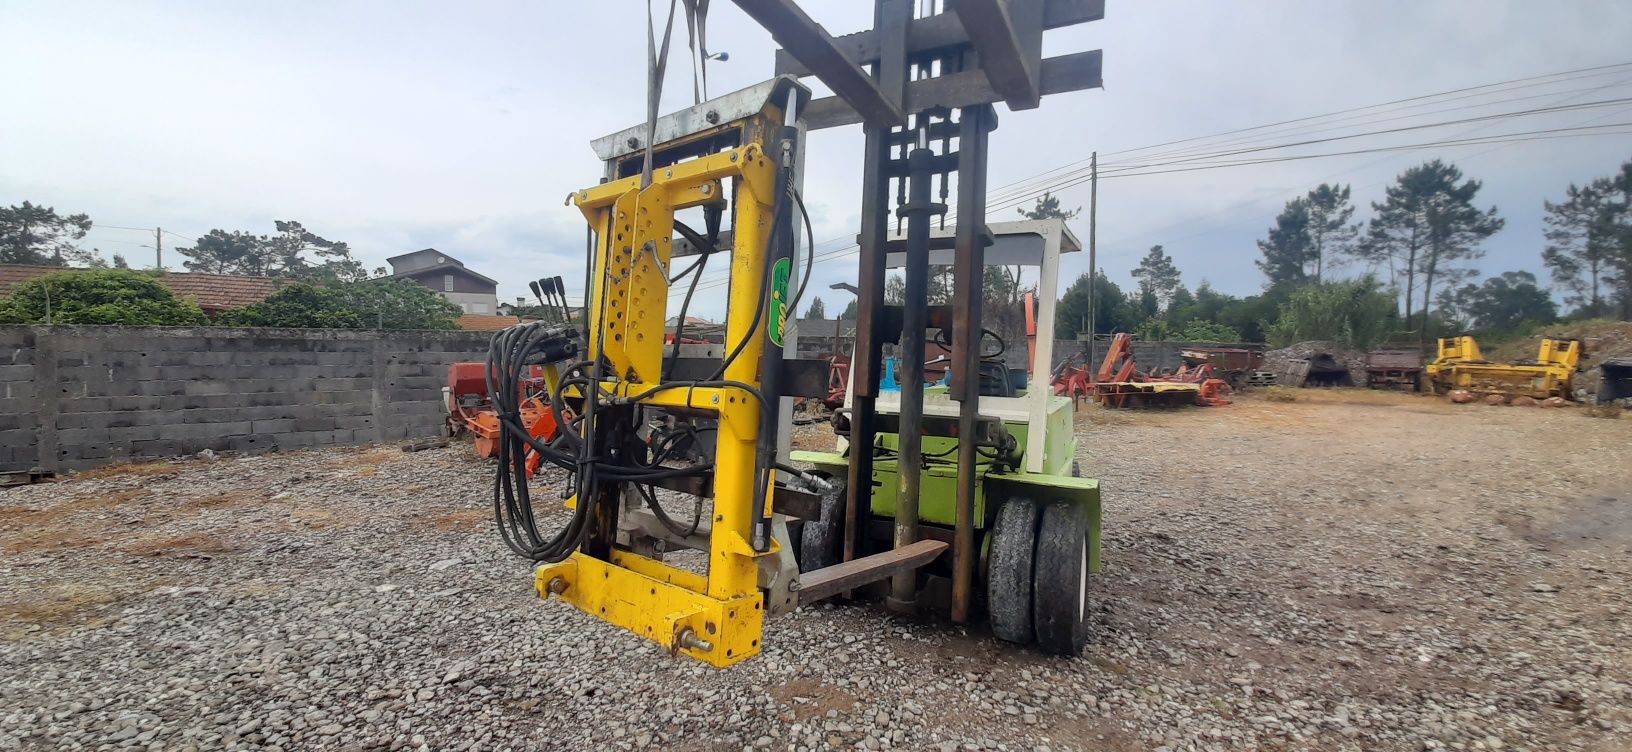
x=1009, y=570
x=1060, y=595
x=821, y=541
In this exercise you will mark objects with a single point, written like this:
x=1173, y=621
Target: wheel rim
x=1082, y=584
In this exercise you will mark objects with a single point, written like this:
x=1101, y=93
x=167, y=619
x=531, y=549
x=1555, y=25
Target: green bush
x=104, y=296
x=1356, y=313
x=1195, y=330
x=373, y=304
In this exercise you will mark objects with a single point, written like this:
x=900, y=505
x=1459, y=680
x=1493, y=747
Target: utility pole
x=1093, y=278
x=158, y=247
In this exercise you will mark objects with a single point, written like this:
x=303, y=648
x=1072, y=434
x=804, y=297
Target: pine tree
x=1425, y=224
x=32, y=234
x=817, y=309
x=1330, y=235
x=1158, y=278
x=1589, y=244
x=1286, y=248
x=851, y=311
x=1047, y=207
x=293, y=252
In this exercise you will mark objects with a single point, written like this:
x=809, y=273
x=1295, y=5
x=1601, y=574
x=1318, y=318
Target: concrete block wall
x=77, y=397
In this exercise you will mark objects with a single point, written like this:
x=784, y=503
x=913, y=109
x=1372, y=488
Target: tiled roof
x=220, y=291
x=213, y=292
x=483, y=322
x=452, y=266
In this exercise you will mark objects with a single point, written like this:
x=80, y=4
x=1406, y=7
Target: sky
x=396, y=126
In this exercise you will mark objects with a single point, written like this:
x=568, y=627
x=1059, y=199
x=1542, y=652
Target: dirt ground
x=1346, y=570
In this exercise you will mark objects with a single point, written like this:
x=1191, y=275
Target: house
x=472, y=292
x=213, y=292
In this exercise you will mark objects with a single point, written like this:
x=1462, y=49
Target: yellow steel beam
x=717, y=631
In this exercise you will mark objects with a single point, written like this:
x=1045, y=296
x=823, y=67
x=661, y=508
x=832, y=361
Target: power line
x=1036, y=187
x=1282, y=191
x=1423, y=99
x=1508, y=138
x=1026, y=184
x=1478, y=141
x=1080, y=176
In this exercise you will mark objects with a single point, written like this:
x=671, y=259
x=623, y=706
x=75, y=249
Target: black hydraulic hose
x=508, y=352
x=706, y=248
x=810, y=252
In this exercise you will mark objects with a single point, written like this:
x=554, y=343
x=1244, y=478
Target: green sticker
x=779, y=300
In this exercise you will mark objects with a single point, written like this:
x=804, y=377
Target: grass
x=1278, y=394
x=189, y=543
x=61, y=604
x=212, y=501
x=129, y=470
x=314, y=518
x=462, y=520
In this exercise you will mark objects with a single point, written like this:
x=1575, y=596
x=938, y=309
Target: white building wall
x=474, y=302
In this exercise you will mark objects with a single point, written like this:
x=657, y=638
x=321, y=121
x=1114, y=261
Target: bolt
x=706, y=188
x=690, y=641
x=559, y=585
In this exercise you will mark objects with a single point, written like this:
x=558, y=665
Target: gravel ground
x=1347, y=571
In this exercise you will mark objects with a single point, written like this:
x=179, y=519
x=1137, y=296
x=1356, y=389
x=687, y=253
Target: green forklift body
x=937, y=503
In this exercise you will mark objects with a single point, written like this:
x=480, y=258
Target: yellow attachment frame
x=717, y=617
x=636, y=226
x=1460, y=365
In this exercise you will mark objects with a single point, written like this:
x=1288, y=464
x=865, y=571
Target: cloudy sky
x=396, y=126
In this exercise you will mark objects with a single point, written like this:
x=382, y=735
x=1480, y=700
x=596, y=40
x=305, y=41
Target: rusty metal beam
x=943, y=30
x=890, y=18
x=968, y=268
x=1010, y=64
x=809, y=43
x=1063, y=73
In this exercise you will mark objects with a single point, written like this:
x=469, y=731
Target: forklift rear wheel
x=1060, y=595
x=1009, y=570
x=821, y=540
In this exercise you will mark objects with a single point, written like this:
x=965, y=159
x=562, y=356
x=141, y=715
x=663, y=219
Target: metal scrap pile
x=1288, y=362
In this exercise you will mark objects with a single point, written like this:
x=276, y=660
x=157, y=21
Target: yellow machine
x=714, y=617
x=1460, y=365
x=648, y=418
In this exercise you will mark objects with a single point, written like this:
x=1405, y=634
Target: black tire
x=821, y=541
x=1060, y=591
x=1009, y=570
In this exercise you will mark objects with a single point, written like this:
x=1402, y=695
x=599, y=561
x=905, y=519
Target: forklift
x=960, y=499
x=1037, y=520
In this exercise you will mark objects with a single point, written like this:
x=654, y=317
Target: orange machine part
x=482, y=423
